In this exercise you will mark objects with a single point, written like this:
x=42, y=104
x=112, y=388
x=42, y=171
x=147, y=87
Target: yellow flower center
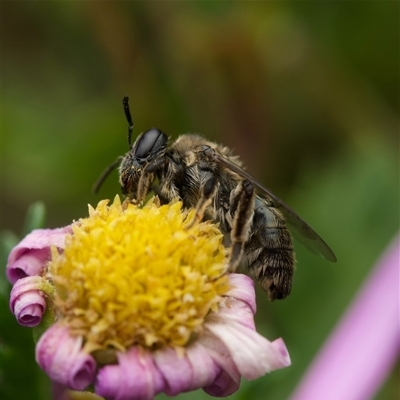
x=131, y=275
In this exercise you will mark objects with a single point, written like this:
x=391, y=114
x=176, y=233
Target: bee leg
x=208, y=193
x=242, y=207
x=144, y=184
x=147, y=178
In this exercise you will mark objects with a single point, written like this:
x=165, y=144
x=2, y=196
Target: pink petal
x=27, y=302
x=176, y=371
x=252, y=354
x=365, y=345
x=242, y=289
x=236, y=310
x=155, y=372
x=227, y=381
x=198, y=368
x=227, y=376
x=135, y=377
x=223, y=385
x=61, y=357
x=234, y=345
x=204, y=368
x=30, y=255
x=28, y=264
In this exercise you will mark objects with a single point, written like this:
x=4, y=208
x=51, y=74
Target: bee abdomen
x=273, y=268
x=275, y=238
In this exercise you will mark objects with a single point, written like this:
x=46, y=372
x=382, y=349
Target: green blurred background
x=306, y=92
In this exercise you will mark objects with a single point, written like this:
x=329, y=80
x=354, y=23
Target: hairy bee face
x=148, y=147
x=130, y=171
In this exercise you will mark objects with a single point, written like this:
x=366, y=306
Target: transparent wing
x=301, y=230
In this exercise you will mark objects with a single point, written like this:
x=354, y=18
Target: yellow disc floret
x=131, y=275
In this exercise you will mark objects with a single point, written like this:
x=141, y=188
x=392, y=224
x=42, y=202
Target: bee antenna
x=104, y=175
x=128, y=116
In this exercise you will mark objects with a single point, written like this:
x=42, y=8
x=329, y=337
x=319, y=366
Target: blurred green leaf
x=35, y=218
x=8, y=240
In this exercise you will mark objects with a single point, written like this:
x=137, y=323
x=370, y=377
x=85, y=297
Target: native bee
x=207, y=177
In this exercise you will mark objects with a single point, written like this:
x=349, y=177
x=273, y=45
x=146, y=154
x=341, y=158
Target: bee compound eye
x=147, y=142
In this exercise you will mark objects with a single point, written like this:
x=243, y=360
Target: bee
x=208, y=177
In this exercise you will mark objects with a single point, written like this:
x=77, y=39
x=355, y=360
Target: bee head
x=148, y=147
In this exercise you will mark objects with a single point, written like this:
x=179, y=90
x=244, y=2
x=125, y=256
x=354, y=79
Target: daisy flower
x=131, y=302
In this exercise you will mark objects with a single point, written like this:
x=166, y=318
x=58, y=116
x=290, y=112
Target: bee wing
x=303, y=232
